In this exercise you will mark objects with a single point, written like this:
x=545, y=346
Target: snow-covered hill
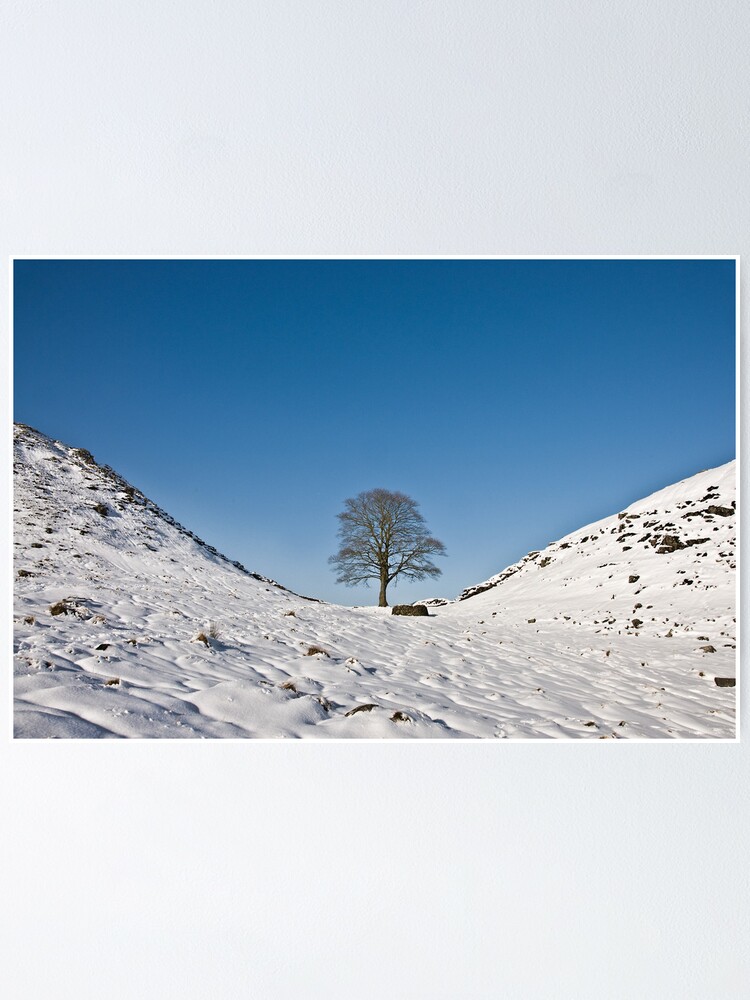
x=664, y=563
x=126, y=624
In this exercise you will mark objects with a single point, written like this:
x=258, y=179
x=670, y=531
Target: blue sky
x=515, y=400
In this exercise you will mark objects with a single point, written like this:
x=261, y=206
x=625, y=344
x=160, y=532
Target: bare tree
x=383, y=535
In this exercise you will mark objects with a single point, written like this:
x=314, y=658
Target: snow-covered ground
x=127, y=625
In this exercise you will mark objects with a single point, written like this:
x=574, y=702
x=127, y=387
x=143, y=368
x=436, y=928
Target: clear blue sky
x=514, y=400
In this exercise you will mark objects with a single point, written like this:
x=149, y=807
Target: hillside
x=666, y=563
x=127, y=625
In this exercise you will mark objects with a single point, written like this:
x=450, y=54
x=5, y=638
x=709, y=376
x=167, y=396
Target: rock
x=668, y=543
x=410, y=609
x=725, y=682
x=531, y=621
x=720, y=511
x=633, y=578
x=637, y=623
x=708, y=649
x=103, y=645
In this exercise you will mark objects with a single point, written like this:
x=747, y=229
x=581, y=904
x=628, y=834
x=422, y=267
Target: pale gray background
x=285, y=871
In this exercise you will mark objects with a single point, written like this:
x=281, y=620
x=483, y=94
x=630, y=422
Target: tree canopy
x=383, y=535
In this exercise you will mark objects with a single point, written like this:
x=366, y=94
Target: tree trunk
x=382, y=602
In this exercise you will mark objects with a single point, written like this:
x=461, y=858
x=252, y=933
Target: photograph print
x=375, y=498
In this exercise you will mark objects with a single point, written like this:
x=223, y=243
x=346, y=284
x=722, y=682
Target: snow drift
x=128, y=625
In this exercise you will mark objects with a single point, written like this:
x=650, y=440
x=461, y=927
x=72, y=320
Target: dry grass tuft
x=400, y=717
x=359, y=708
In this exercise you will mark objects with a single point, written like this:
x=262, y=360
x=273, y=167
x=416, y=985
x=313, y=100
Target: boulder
x=669, y=543
x=410, y=609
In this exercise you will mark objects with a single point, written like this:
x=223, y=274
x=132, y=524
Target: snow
x=564, y=645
